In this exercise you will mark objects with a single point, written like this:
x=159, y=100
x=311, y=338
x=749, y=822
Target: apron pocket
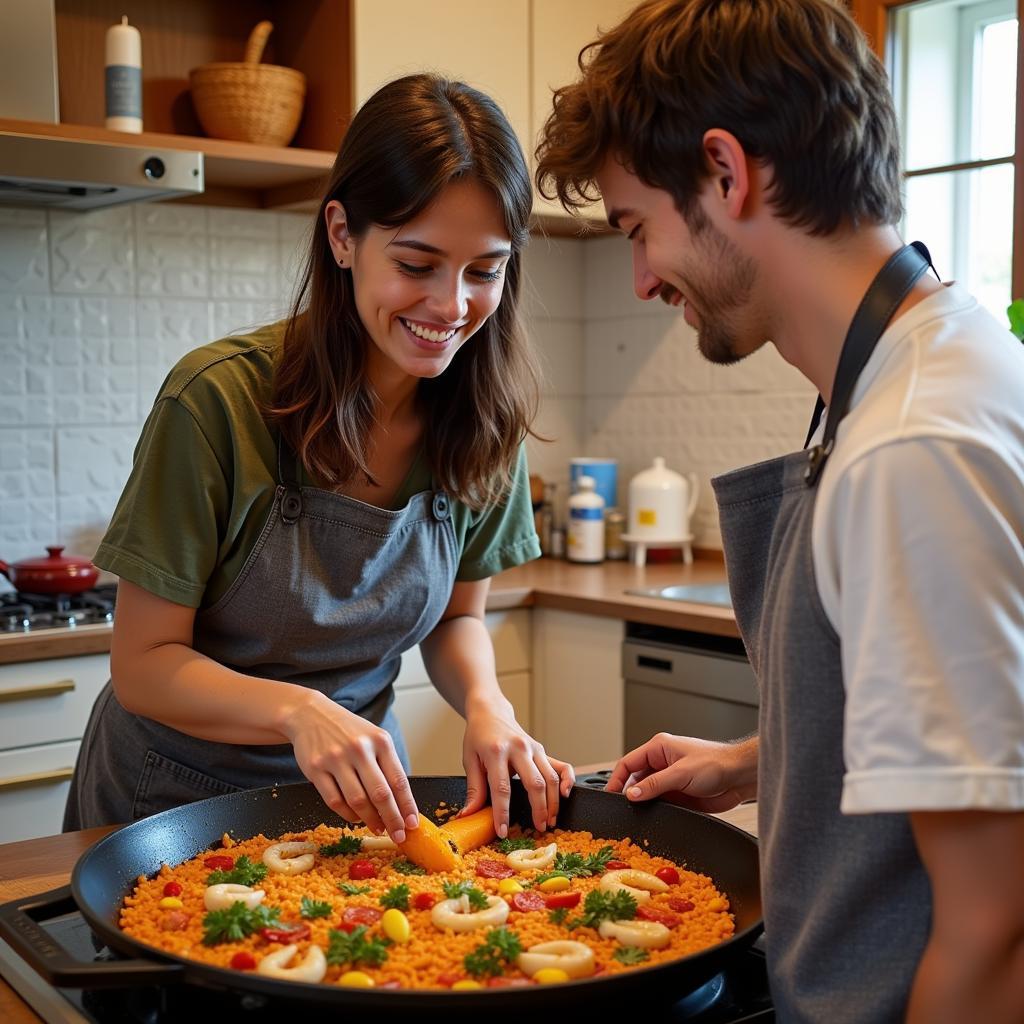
x=164, y=784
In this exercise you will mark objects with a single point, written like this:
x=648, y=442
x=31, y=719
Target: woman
x=312, y=499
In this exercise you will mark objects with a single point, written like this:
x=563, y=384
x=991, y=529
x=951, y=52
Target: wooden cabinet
x=433, y=730
x=577, y=685
x=45, y=705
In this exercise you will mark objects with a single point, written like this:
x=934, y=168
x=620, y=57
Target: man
x=748, y=150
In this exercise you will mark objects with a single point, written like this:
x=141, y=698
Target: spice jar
x=614, y=527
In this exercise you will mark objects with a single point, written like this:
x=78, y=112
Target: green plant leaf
x=1015, y=311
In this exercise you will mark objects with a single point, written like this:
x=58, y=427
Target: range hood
x=57, y=173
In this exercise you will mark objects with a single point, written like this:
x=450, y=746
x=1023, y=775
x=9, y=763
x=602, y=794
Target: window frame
x=873, y=18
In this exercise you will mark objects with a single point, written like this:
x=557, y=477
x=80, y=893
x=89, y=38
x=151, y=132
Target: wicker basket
x=249, y=101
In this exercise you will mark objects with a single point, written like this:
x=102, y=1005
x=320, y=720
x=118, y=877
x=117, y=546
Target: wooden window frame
x=873, y=18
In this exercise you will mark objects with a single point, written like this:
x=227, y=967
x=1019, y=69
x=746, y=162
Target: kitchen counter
x=545, y=583
x=38, y=865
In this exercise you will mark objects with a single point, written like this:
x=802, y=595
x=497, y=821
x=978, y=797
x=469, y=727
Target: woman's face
x=424, y=289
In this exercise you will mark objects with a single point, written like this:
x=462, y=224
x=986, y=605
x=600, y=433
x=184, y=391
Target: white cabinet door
x=577, y=685
x=486, y=47
x=559, y=30
x=34, y=783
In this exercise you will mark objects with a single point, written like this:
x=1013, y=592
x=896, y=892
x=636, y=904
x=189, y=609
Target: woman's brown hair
x=406, y=143
x=794, y=80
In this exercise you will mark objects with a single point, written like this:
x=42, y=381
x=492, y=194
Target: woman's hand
x=495, y=747
x=700, y=774
x=353, y=765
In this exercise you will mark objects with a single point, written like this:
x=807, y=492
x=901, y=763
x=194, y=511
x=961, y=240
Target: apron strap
x=288, y=476
x=887, y=291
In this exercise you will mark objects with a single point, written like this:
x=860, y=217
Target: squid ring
x=289, y=858
x=531, y=860
x=645, y=934
x=457, y=915
x=639, y=884
x=575, y=958
x=221, y=896
x=312, y=967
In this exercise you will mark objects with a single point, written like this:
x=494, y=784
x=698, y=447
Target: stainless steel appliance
x=22, y=612
x=687, y=683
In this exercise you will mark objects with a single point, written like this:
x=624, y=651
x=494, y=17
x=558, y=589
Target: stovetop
x=21, y=612
x=737, y=995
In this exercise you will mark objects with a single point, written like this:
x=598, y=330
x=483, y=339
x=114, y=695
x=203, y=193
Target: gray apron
x=847, y=903
x=332, y=594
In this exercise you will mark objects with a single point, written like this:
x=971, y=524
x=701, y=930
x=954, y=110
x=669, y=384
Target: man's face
x=684, y=260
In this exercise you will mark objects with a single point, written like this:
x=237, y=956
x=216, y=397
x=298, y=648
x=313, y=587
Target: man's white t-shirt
x=918, y=548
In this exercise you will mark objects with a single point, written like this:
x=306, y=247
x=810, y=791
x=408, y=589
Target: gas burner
x=21, y=612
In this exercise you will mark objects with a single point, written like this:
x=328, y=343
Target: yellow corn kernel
x=356, y=979
x=717, y=904
x=395, y=925
x=550, y=976
x=466, y=983
x=556, y=884
x=509, y=885
x=170, y=903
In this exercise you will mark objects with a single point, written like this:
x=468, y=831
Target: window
x=953, y=65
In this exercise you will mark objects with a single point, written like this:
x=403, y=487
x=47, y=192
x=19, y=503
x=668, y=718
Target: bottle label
x=647, y=517
x=123, y=91
x=586, y=513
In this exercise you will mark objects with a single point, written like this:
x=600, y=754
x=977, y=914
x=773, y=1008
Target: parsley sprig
x=236, y=922
x=455, y=890
x=500, y=947
x=346, y=844
x=406, y=867
x=353, y=890
x=245, y=872
x=314, y=908
x=355, y=948
x=575, y=865
x=558, y=916
x=631, y=955
x=397, y=896
x=517, y=843
x=605, y=906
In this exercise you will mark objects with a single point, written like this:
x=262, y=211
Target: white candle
x=124, y=78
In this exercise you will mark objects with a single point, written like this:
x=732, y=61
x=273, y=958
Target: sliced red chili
x=683, y=906
x=528, y=900
x=287, y=933
x=423, y=900
x=219, y=863
x=556, y=900
x=362, y=869
x=668, y=875
x=493, y=869
x=172, y=889
x=243, y=961
x=649, y=913
x=616, y=865
x=361, y=915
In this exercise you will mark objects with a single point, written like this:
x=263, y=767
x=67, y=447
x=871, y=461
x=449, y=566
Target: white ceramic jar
x=661, y=503
x=586, y=523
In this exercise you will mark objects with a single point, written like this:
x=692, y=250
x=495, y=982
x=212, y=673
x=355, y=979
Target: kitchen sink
x=695, y=593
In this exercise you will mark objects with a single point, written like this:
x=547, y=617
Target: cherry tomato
x=616, y=865
x=668, y=875
x=648, y=913
x=172, y=889
x=449, y=978
x=347, y=926
x=287, y=933
x=423, y=900
x=528, y=900
x=243, y=961
x=562, y=899
x=219, y=863
x=493, y=869
x=359, y=869
x=683, y=906
x=361, y=915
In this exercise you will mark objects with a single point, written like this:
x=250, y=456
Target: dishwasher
x=691, y=684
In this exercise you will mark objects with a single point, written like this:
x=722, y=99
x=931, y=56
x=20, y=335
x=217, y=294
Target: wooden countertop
x=37, y=865
x=545, y=583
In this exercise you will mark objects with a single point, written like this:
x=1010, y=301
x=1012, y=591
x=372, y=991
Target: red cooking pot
x=53, y=574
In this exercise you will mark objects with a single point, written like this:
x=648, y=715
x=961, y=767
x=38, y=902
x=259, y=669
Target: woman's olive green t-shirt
x=205, y=472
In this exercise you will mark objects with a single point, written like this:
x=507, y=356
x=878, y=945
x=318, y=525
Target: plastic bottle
x=123, y=91
x=586, y=523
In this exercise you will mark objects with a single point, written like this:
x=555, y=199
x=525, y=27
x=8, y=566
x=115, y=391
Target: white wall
x=95, y=308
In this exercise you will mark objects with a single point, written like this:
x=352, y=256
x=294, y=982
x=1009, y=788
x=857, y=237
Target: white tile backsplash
x=95, y=308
